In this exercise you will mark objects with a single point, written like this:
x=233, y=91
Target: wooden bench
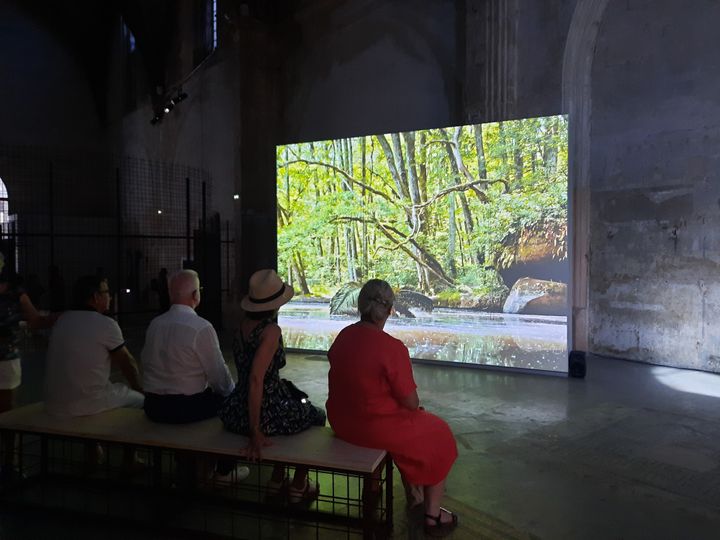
x=366, y=506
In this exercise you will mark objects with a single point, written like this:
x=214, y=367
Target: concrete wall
x=371, y=67
x=655, y=180
x=201, y=132
x=45, y=96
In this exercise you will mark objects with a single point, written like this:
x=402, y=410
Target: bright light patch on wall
x=692, y=382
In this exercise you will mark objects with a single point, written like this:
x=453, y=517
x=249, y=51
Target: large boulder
x=345, y=301
x=537, y=297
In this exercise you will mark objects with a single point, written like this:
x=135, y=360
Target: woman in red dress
x=373, y=402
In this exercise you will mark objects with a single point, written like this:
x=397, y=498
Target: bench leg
x=157, y=467
x=7, y=438
x=43, y=456
x=389, y=495
x=370, y=499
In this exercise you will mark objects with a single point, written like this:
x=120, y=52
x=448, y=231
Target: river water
x=452, y=335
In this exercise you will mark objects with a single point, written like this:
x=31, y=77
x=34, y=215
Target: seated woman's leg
x=7, y=400
x=437, y=519
x=301, y=488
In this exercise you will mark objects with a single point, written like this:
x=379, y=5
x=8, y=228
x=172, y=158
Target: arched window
x=7, y=234
x=4, y=208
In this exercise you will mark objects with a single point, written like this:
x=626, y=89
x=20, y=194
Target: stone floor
x=630, y=452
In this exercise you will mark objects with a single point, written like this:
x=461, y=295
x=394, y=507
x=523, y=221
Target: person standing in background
x=15, y=306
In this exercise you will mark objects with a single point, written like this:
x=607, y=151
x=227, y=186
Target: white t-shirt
x=77, y=370
x=182, y=355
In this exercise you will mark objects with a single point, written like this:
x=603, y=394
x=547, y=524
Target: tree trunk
x=300, y=269
x=454, y=155
x=450, y=260
x=422, y=167
x=480, y=148
x=364, y=238
x=416, y=215
x=394, y=173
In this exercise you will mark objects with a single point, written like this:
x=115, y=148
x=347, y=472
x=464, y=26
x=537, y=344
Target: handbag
x=295, y=392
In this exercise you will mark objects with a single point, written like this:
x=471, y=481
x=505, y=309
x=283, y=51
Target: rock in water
x=537, y=297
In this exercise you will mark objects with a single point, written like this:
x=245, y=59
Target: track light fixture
x=169, y=106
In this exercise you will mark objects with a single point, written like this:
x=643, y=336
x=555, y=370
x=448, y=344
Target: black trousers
x=182, y=409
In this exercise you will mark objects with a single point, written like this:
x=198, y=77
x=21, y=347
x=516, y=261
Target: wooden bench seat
x=317, y=448
x=314, y=447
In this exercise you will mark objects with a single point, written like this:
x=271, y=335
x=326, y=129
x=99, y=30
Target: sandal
x=307, y=494
x=441, y=528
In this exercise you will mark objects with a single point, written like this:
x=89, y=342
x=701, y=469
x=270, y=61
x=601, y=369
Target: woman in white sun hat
x=262, y=403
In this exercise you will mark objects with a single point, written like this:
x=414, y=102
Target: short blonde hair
x=375, y=300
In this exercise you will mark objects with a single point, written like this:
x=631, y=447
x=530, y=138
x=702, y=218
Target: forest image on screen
x=468, y=224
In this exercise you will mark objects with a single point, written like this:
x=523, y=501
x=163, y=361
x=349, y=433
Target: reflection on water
x=496, y=339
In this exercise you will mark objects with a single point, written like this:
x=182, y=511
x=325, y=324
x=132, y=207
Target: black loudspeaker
x=576, y=364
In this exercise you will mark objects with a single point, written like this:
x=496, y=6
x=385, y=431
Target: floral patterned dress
x=281, y=413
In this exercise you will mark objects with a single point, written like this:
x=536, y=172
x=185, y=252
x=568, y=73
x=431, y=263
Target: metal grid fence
x=126, y=218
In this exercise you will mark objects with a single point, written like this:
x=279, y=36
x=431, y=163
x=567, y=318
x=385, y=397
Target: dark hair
x=260, y=315
x=84, y=289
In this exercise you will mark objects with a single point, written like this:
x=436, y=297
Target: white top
x=182, y=355
x=77, y=370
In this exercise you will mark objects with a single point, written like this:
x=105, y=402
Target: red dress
x=369, y=371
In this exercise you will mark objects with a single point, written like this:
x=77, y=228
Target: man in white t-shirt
x=84, y=345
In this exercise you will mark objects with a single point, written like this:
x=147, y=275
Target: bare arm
x=269, y=341
x=411, y=401
x=31, y=315
x=122, y=359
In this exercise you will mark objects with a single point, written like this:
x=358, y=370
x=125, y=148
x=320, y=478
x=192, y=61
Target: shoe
x=441, y=528
x=238, y=474
x=274, y=488
x=275, y=491
x=307, y=494
x=135, y=467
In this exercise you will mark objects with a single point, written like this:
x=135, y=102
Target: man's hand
x=255, y=446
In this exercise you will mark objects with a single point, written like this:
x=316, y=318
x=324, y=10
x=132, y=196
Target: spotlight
x=168, y=107
x=127, y=291
x=236, y=196
x=159, y=211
